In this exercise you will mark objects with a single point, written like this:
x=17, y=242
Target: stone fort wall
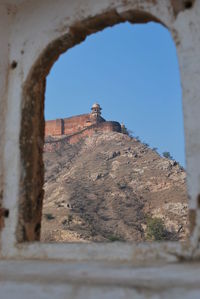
x=52, y=143
x=71, y=125
x=80, y=126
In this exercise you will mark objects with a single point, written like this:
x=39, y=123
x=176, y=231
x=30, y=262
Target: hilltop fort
x=77, y=127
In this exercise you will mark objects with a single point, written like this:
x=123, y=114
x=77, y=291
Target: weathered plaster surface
x=33, y=35
x=5, y=21
x=38, y=279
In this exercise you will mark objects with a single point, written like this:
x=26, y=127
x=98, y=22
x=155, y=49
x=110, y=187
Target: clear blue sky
x=132, y=72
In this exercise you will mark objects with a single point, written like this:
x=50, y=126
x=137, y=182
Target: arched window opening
x=116, y=174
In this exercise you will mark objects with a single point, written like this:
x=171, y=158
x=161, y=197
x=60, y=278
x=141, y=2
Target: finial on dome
x=96, y=105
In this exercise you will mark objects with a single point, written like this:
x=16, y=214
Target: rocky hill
x=111, y=187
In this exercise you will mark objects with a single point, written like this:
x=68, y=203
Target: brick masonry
x=53, y=142
x=75, y=128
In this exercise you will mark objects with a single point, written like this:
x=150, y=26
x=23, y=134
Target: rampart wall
x=71, y=125
x=54, y=127
x=53, y=144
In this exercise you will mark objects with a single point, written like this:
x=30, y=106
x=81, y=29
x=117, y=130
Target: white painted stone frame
x=30, y=28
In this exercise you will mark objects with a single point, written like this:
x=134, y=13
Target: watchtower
x=96, y=111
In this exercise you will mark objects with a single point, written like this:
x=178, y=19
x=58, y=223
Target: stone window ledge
x=96, y=279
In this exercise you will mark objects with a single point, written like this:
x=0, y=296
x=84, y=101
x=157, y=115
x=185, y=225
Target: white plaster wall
x=39, y=279
x=188, y=26
x=4, y=70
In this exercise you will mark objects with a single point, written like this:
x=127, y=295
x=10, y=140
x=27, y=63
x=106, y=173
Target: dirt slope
x=105, y=187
